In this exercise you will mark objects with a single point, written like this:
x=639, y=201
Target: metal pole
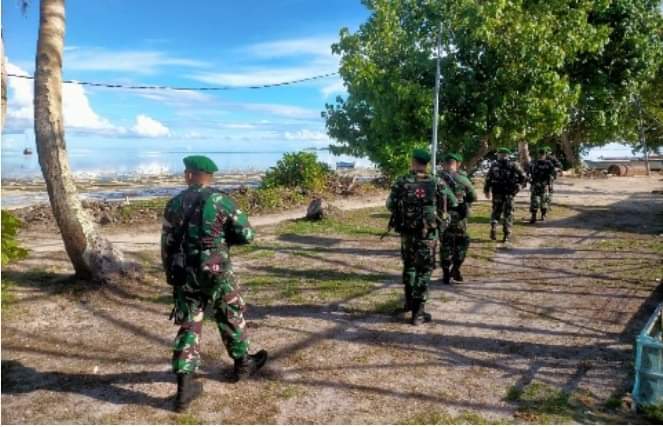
x=436, y=103
x=643, y=141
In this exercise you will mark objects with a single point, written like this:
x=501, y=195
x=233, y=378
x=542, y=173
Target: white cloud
x=76, y=109
x=280, y=110
x=313, y=46
x=314, y=53
x=132, y=61
x=148, y=127
x=255, y=77
x=306, y=135
x=333, y=88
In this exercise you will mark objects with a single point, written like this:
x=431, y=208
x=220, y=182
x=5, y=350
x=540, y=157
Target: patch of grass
x=441, y=417
x=390, y=306
x=361, y=222
x=187, y=419
x=11, y=250
x=653, y=413
x=541, y=403
x=7, y=295
x=156, y=206
x=614, y=402
x=653, y=245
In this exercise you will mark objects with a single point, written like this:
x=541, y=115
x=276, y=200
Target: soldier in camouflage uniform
x=455, y=241
x=200, y=225
x=504, y=180
x=541, y=174
x=558, y=168
x=418, y=202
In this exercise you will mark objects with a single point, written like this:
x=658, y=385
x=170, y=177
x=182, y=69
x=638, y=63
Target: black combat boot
x=533, y=219
x=419, y=314
x=407, y=306
x=493, y=231
x=249, y=365
x=446, y=275
x=544, y=212
x=507, y=237
x=455, y=273
x=188, y=390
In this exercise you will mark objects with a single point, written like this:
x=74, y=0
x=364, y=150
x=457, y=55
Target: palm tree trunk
x=92, y=256
x=4, y=81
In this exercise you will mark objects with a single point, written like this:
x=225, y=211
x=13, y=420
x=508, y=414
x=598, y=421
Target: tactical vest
x=456, y=188
x=542, y=171
x=416, y=206
x=505, y=178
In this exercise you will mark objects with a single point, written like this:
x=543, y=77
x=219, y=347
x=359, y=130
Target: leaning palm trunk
x=92, y=256
x=4, y=81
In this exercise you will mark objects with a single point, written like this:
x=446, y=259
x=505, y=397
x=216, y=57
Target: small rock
x=105, y=218
x=317, y=209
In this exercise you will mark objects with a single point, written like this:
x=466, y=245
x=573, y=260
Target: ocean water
x=126, y=162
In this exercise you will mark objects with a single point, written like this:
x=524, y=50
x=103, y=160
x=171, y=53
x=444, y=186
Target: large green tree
x=612, y=78
x=503, y=78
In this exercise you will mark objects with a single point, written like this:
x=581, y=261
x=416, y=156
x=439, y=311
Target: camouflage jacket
x=463, y=189
x=444, y=198
x=541, y=172
x=504, y=177
x=199, y=226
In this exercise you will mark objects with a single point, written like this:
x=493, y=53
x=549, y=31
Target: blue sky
x=201, y=43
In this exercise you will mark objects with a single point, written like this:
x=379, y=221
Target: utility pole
x=643, y=141
x=436, y=103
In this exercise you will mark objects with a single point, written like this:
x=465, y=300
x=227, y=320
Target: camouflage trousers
x=228, y=308
x=418, y=263
x=502, y=211
x=454, y=244
x=540, y=197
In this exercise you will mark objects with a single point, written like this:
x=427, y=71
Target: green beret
x=504, y=150
x=200, y=164
x=543, y=150
x=453, y=156
x=421, y=155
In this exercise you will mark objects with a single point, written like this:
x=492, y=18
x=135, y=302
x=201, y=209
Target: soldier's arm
x=393, y=196
x=445, y=192
x=470, y=193
x=521, y=175
x=487, y=183
x=169, y=231
x=240, y=231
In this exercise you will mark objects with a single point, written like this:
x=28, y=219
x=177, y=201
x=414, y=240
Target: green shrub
x=10, y=249
x=301, y=170
x=262, y=200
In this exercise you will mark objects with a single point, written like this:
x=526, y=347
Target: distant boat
x=345, y=165
x=27, y=151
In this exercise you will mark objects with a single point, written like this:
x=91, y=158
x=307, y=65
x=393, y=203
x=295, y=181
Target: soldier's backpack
x=542, y=171
x=415, y=206
x=505, y=178
x=193, y=203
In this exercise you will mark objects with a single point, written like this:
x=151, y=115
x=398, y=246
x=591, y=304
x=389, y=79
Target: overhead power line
x=183, y=88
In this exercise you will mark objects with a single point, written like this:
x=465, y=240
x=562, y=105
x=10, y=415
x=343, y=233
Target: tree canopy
x=512, y=70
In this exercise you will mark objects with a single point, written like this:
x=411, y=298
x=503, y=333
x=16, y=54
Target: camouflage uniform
x=541, y=176
x=200, y=224
x=418, y=246
x=454, y=240
x=503, y=180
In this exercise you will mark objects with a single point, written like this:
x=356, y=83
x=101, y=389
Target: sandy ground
x=535, y=313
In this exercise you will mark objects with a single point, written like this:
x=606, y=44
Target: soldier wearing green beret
x=504, y=179
x=419, y=203
x=541, y=174
x=200, y=225
x=455, y=241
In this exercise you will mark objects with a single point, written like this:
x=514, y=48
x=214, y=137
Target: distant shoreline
x=24, y=192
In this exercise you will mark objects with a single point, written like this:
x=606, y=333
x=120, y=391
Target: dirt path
x=554, y=315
